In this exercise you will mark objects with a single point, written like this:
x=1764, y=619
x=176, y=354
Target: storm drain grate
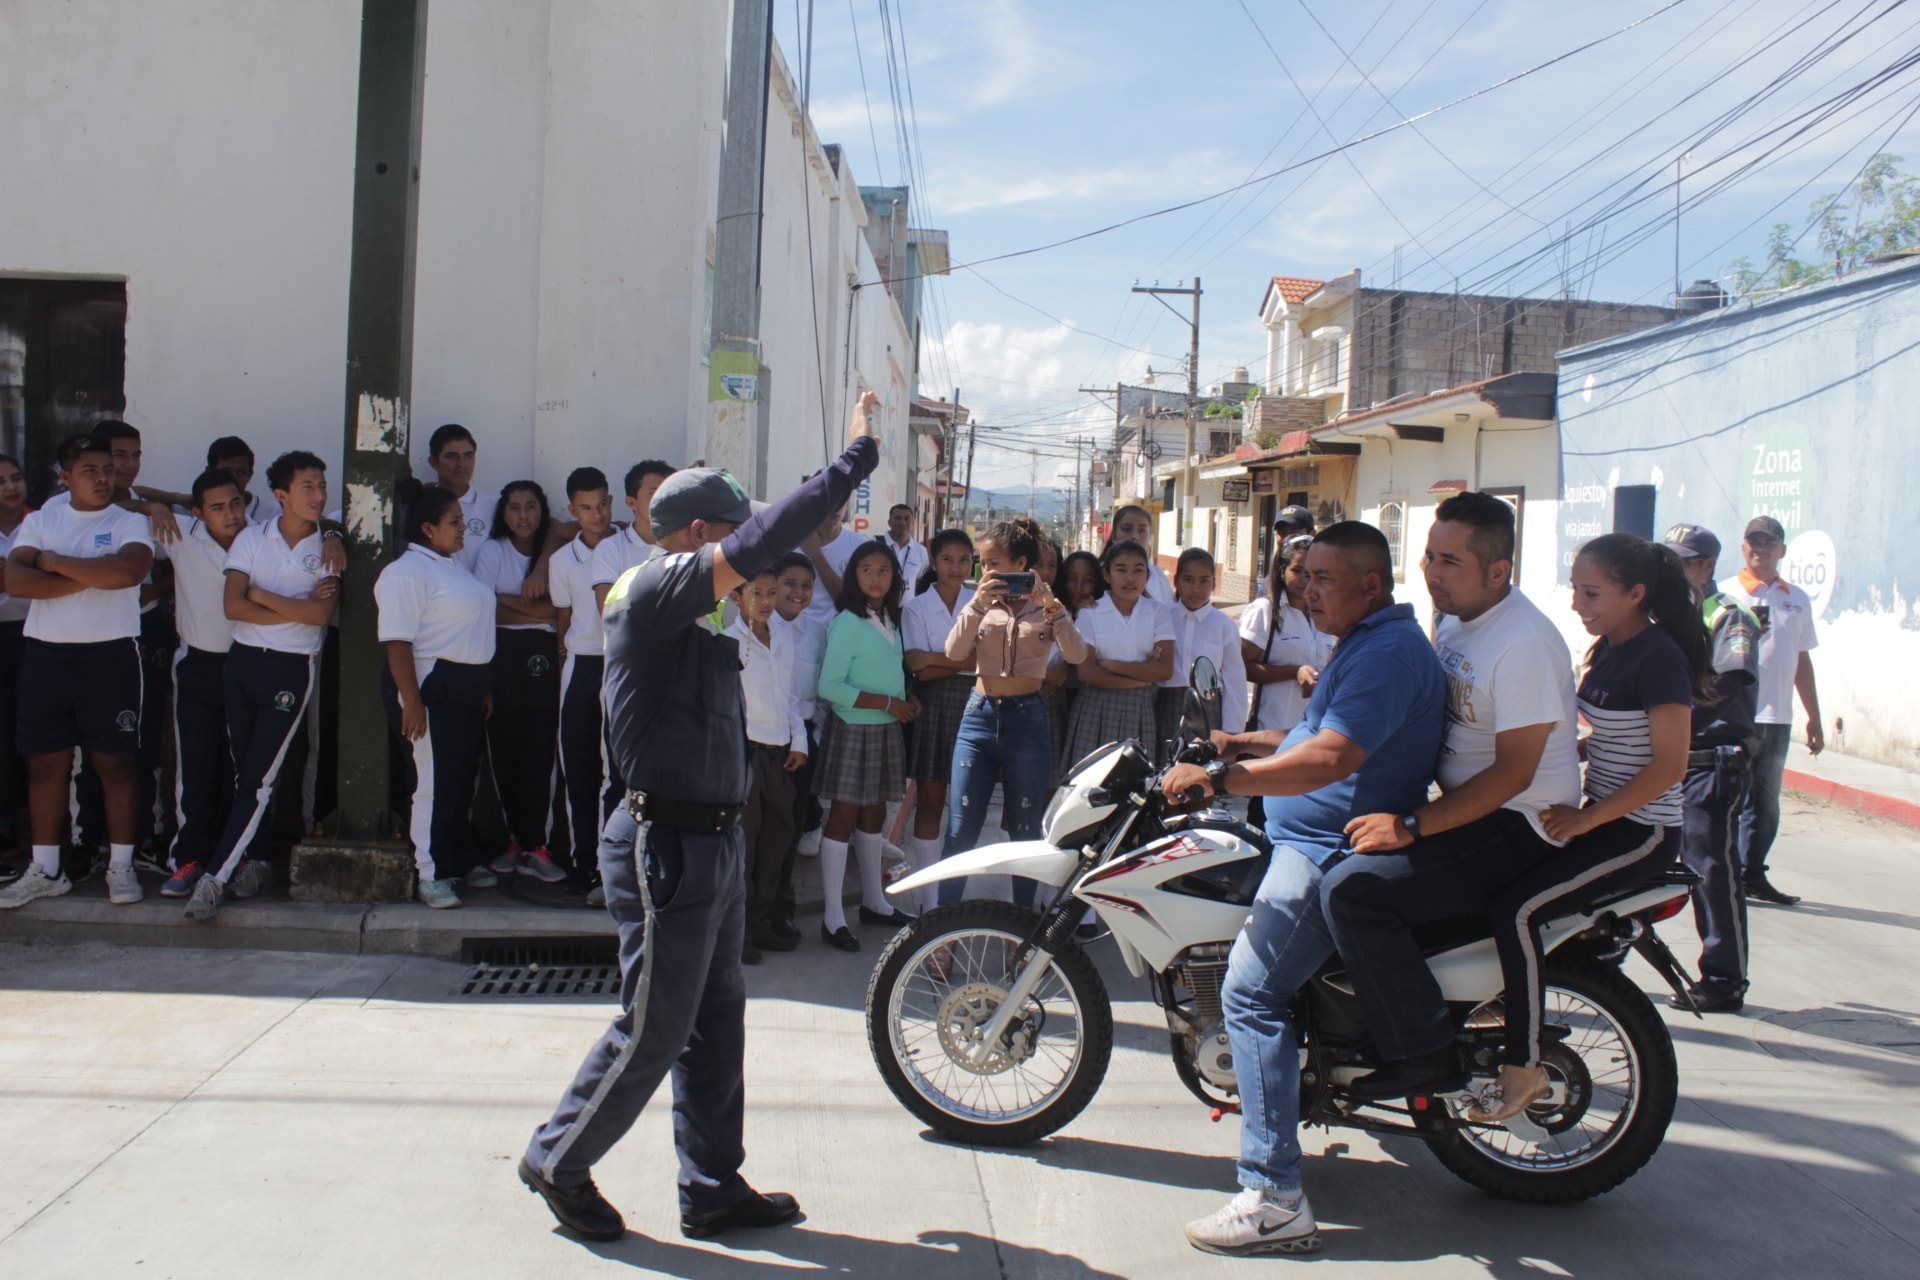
x=541, y=968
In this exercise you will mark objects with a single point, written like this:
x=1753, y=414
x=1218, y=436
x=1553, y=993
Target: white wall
x=204, y=153
x=1507, y=458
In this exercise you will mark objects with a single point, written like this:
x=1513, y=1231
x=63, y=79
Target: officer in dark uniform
x=673, y=856
x=1718, y=770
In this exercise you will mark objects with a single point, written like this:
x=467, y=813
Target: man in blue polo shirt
x=1369, y=744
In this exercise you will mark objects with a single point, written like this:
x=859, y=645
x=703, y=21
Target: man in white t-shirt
x=1787, y=640
x=830, y=549
x=81, y=564
x=906, y=548
x=1509, y=752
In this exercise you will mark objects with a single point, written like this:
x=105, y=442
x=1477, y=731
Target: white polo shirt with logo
x=1788, y=632
x=199, y=588
x=262, y=553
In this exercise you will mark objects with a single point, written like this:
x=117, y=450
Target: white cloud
x=1016, y=71
x=971, y=193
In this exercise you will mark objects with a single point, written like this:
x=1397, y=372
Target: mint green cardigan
x=860, y=660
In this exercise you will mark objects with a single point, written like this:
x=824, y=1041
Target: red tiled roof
x=1296, y=288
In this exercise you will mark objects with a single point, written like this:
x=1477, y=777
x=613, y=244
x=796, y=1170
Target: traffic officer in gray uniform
x=673, y=856
x=1718, y=771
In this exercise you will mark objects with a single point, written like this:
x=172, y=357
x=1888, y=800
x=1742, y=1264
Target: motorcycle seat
x=1462, y=930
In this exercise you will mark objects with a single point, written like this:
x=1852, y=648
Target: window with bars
x=1393, y=523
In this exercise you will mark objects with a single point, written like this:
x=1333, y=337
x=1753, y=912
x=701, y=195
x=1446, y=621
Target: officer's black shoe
x=749, y=954
x=766, y=938
x=1710, y=998
x=757, y=1210
x=842, y=938
x=781, y=927
x=894, y=919
x=1760, y=889
x=581, y=1208
x=1437, y=1072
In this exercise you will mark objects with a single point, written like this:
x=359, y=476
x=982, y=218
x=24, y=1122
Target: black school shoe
x=580, y=1208
x=757, y=1210
x=1437, y=1072
x=781, y=927
x=1710, y=998
x=1760, y=889
x=894, y=919
x=840, y=939
x=766, y=938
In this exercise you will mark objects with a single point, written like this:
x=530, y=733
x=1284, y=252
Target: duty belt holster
x=1729, y=756
x=718, y=819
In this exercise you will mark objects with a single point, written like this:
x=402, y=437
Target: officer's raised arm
x=785, y=524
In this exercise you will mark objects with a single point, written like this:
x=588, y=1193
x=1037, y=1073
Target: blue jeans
x=998, y=736
x=1760, y=815
x=1283, y=943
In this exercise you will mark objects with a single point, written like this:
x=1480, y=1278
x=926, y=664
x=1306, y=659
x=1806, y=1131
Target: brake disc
x=963, y=1018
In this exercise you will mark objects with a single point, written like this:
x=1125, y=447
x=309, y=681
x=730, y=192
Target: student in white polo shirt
x=437, y=627
x=830, y=549
x=451, y=453
x=1200, y=631
x=280, y=597
x=203, y=762
x=583, y=767
x=13, y=619
x=627, y=548
x=81, y=565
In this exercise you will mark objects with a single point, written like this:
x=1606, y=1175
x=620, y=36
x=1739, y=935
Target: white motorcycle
x=990, y=1023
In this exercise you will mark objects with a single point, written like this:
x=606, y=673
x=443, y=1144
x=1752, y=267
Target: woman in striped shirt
x=1651, y=660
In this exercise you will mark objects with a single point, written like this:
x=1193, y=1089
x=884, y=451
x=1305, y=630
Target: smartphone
x=1018, y=584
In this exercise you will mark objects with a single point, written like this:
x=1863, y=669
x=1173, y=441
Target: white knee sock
x=47, y=858
x=833, y=883
x=867, y=850
x=119, y=856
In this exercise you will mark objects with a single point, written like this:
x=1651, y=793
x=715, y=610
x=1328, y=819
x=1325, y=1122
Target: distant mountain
x=1047, y=503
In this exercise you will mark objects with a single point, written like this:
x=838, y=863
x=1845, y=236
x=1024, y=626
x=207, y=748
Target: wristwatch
x=1412, y=824
x=1217, y=776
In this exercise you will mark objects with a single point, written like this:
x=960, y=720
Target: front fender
x=1034, y=859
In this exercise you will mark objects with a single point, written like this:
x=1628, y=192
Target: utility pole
x=358, y=861
x=736, y=428
x=1193, y=401
x=966, y=503
x=949, y=437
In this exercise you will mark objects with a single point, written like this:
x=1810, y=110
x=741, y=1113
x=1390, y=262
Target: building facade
x=1794, y=407
x=177, y=241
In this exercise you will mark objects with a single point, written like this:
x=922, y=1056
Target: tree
x=1877, y=215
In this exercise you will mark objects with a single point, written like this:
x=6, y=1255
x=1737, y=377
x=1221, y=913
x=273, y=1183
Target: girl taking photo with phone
x=1008, y=633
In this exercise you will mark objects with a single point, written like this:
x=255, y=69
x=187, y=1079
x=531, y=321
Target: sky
x=1025, y=122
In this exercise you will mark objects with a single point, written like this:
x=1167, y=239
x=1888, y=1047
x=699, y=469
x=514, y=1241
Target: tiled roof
x=1296, y=288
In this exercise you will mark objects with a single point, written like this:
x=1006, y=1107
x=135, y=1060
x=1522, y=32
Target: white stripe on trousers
x=179, y=770
x=420, y=808
x=638, y=1033
x=1536, y=997
x=263, y=798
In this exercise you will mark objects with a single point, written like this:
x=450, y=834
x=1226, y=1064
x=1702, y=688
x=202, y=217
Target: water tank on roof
x=1240, y=374
x=1701, y=295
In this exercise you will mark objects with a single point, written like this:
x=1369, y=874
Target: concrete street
x=210, y=1113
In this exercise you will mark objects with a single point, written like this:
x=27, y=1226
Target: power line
x=1378, y=133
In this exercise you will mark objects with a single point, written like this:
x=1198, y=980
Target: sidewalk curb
x=1871, y=803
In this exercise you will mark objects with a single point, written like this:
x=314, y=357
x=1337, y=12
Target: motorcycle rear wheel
x=937, y=983
x=1620, y=1083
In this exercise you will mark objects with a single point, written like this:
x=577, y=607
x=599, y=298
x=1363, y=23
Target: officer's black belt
x=1710, y=757
x=720, y=819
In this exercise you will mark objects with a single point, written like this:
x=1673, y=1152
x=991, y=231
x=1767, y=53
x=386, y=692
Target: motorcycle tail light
x=1668, y=910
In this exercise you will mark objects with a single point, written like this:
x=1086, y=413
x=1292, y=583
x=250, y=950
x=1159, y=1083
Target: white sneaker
x=123, y=886
x=1257, y=1221
x=810, y=844
x=34, y=884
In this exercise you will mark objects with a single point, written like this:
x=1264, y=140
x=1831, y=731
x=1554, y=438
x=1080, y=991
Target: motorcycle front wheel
x=1616, y=1084
x=931, y=997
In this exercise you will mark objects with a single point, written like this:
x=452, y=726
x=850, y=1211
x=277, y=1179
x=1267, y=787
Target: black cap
x=697, y=493
x=1293, y=519
x=1692, y=542
x=1767, y=525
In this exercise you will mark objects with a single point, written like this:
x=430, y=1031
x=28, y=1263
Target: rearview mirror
x=1201, y=714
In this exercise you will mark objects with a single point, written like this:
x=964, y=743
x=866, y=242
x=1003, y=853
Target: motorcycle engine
x=1202, y=970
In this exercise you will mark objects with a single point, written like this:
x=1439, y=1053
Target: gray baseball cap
x=698, y=493
x=1693, y=542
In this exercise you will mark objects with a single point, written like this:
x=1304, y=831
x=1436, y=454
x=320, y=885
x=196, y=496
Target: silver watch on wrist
x=1217, y=776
